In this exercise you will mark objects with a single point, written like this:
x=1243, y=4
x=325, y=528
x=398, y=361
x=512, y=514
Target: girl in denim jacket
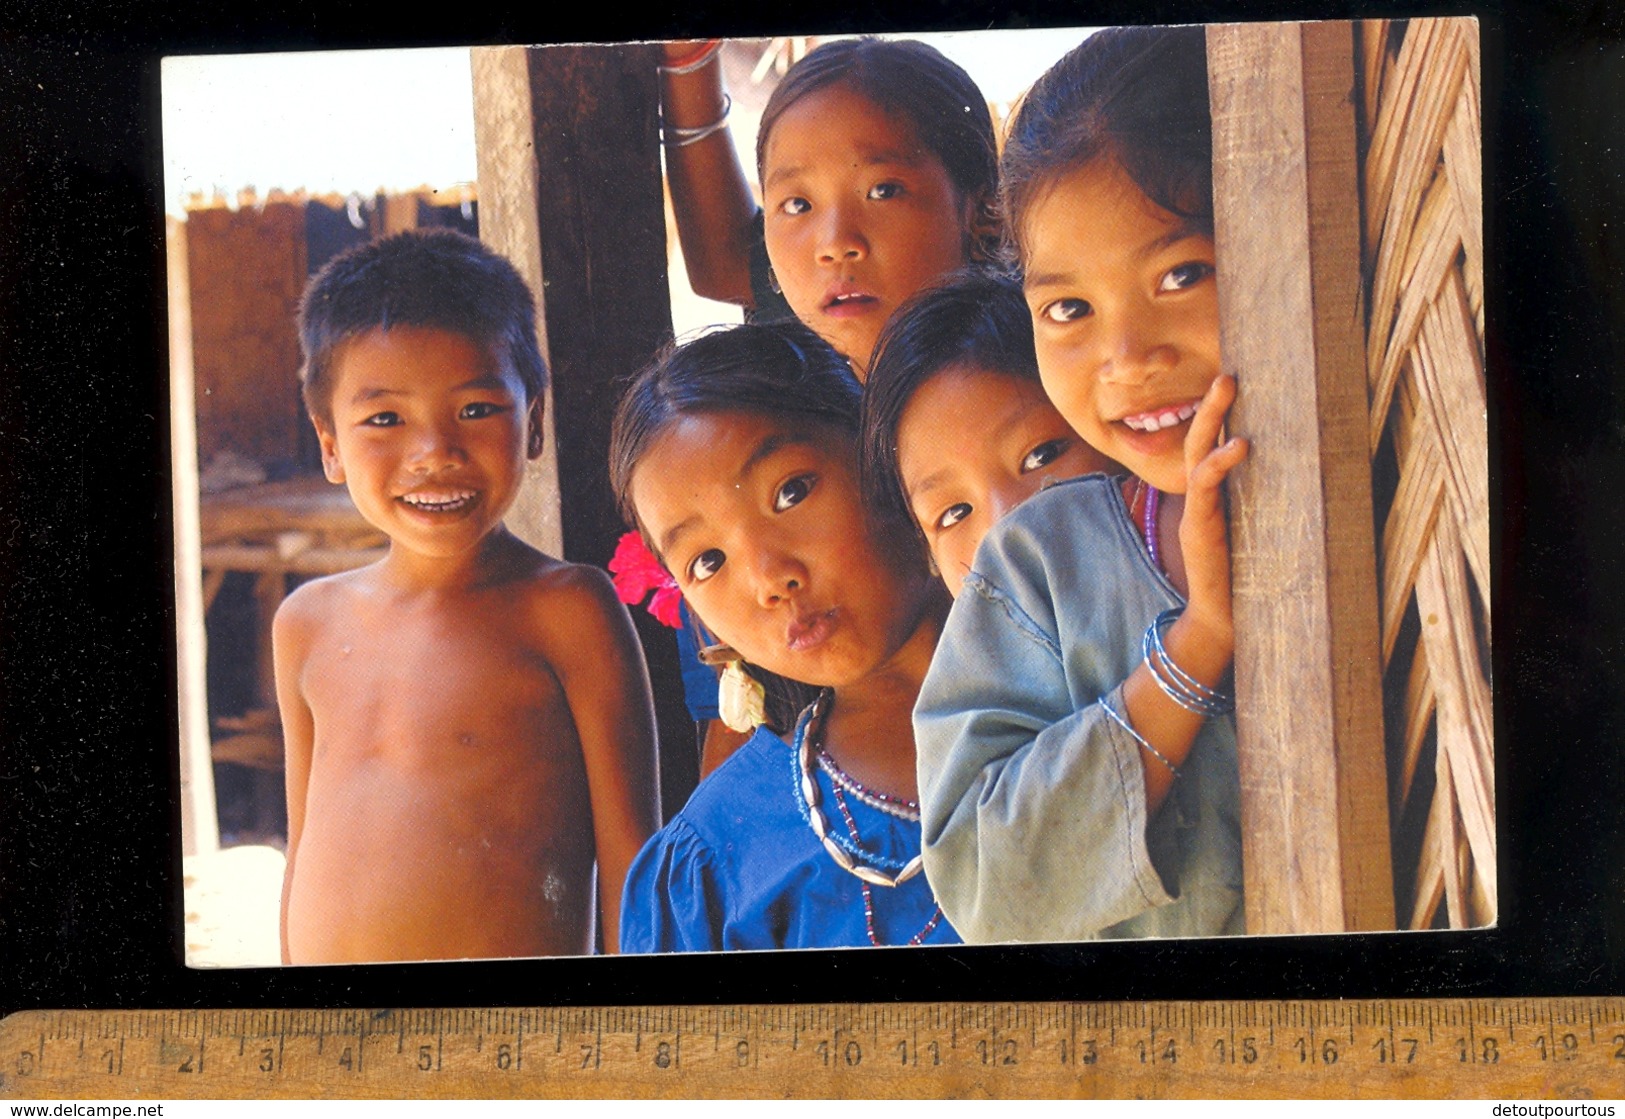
x=1077, y=761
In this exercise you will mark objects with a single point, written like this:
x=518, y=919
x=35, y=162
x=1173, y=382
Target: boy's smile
x=430, y=435
x=764, y=530
x=858, y=216
x=1125, y=312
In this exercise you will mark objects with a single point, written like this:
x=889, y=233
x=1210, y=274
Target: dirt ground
x=232, y=902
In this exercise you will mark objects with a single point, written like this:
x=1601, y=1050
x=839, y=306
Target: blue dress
x=740, y=866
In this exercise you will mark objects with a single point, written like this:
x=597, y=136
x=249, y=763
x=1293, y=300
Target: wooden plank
x=200, y=826
x=504, y=138
x=603, y=238
x=400, y=213
x=589, y=166
x=1308, y=683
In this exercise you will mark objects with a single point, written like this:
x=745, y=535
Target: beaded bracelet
x=673, y=137
x=1177, y=684
x=693, y=62
x=1106, y=706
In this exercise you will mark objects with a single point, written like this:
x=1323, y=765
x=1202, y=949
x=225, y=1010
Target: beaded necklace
x=868, y=895
x=901, y=807
x=1148, y=517
x=809, y=747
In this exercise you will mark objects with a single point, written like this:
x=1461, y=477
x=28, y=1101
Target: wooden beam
x=200, y=826
x=504, y=142
x=1308, y=679
x=603, y=236
x=574, y=197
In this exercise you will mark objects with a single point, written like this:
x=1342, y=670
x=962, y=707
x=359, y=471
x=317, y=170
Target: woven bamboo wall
x=1424, y=269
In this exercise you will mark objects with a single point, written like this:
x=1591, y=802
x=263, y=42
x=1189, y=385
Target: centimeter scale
x=1517, y=1049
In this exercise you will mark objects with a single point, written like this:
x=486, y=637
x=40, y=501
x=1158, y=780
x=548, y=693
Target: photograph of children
x=831, y=491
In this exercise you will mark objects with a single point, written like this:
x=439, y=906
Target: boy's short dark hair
x=435, y=278
x=976, y=319
x=1136, y=94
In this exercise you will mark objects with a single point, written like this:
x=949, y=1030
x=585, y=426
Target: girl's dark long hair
x=976, y=319
x=924, y=87
x=1135, y=94
x=780, y=370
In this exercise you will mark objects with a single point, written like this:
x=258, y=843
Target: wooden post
x=573, y=195
x=504, y=142
x=1308, y=669
x=200, y=827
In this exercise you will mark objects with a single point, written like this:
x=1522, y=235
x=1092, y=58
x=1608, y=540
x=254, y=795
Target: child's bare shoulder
x=562, y=590
x=313, y=605
x=567, y=606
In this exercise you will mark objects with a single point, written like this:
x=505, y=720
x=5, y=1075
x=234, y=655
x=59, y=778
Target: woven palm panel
x=1424, y=274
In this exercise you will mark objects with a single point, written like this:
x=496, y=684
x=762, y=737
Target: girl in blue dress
x=736, y=457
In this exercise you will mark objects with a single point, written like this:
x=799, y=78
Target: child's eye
x=794, y=492
x=953, y=515
x=880, y=192
x=705, y=565
x=480, y=410
x=794, y=205
x=1066, y=310
x=1044, y=454
x=1186, y=275
x=382, y=419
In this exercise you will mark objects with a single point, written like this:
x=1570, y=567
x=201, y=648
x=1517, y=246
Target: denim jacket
x=1032, y=799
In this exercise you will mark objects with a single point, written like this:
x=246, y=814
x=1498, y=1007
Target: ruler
x=1518, y=1049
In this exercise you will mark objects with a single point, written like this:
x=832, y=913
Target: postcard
x=736, y=495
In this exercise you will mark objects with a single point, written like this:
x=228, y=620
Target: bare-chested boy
x=468, y=721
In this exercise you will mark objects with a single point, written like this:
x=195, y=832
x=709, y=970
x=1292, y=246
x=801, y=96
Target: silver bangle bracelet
x=1177, y=684
x=674, y=137
x=689, y=67
x=1106, y=706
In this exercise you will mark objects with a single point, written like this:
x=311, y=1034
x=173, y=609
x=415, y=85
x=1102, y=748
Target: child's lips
x=846, y=301
x=810, y=630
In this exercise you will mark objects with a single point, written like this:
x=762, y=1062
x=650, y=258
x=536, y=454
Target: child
x=468, y=721
x=736, y=457
x=878, y=169
x=1081, y=670
x=957, y=430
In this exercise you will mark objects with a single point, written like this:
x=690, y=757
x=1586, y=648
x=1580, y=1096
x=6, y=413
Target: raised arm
x=1202, y=640
x=709, y=193
x=290, y=637
x=600, y=666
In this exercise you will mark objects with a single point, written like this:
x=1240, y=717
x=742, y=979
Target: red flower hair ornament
x=636, y=572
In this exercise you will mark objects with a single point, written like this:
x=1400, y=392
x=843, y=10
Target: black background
x=90, y=895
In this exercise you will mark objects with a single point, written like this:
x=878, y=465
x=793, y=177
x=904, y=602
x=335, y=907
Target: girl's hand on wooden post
x=1203, y=531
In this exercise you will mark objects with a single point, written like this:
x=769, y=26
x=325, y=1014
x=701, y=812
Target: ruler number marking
x=1566, y=1048
x=1150, y=1054
x=993, y=1053
x=1246, y=1051
x=1325, y=1054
